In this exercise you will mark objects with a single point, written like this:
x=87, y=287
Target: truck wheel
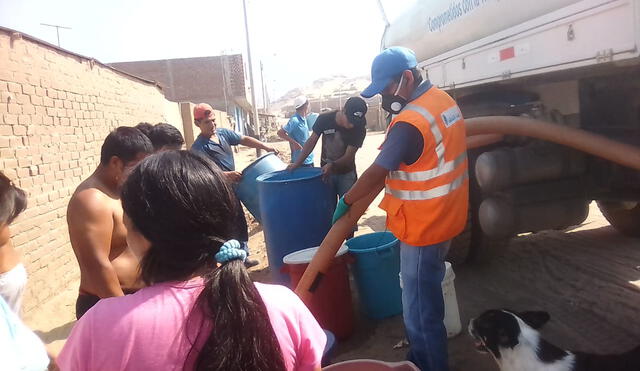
x=473, y=245
x=623, y=216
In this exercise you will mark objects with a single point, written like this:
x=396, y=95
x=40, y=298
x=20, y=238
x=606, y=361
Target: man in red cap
x=216, y=144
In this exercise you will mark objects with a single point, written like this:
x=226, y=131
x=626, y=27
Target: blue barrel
x=376, y=271
x=247, y=189
x=296, y=210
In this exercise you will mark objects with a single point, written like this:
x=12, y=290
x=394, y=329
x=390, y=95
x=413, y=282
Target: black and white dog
x=516, y=345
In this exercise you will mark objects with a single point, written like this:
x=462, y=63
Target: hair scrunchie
x=231, y=250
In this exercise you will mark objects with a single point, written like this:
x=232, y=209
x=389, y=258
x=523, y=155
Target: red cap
x=201, y=110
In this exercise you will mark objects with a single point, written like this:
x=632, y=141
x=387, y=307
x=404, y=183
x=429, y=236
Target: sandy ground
x=587, y=278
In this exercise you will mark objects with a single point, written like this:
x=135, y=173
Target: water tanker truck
x=555, y=85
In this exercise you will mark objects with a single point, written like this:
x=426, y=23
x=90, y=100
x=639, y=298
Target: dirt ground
x=587, y=278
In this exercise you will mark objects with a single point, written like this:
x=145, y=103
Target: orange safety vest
x=427, y=202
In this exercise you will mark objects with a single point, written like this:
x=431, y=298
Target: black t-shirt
x=335, y=138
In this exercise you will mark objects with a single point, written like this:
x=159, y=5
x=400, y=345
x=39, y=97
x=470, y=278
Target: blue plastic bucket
x=376, y=270
x=296, y=210
x=247, y=188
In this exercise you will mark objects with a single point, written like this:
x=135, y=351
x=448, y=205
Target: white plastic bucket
x=451, y=312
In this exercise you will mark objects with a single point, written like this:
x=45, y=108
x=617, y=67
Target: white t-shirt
x=20, y=348
x=12, y=284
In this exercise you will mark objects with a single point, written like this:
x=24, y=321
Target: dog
x=512, y=338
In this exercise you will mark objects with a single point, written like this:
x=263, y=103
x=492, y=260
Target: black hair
x=126, y=143
x=164, y=134
x=13, y=200
x=144, y=127
x=182, y=204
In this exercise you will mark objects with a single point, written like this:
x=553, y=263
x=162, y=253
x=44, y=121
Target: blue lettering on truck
x=455, y=10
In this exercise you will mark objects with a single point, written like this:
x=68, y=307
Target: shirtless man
x=94, y=216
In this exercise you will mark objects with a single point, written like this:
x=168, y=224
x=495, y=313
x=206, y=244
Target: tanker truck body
x=568, y=62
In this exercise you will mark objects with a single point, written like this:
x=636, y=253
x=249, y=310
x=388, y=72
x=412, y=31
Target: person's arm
x=90, y=229
x=372, y=178
x=233, y=176
x=353, y=140
x=403, y=145
x=345, y=162
x=254, y=143
x=294, y=145
x=306, y=150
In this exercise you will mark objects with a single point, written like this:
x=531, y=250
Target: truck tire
x=624, y=218
x=473, y=245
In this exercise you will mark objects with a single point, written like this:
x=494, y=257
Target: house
x=218, y=80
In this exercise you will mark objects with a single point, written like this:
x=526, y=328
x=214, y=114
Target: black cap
x=356, y=109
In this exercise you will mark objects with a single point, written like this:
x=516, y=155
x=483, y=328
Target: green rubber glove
x=341, y=209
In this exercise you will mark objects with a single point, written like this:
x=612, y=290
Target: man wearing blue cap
x=423, y=168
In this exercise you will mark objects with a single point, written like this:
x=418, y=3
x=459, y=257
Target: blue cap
x=387, y=65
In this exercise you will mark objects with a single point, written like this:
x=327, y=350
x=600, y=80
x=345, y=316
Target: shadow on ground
x=58, y=333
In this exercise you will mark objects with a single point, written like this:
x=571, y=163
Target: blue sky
x=297, y=40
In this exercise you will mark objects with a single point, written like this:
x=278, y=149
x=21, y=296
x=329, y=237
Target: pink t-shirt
x=146, y=330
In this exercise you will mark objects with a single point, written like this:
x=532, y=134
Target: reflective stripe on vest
x=433, y=126
x=421, y=176
x=443, y=167
x=436, y=192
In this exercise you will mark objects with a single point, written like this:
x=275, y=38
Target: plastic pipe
x=481, y=131
x=482, y=140
x=321, y=261
x=594, y=144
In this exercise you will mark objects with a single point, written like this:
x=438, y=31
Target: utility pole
x=224, y=82
x=265, y=103
x=251, y=82
x=58, y=27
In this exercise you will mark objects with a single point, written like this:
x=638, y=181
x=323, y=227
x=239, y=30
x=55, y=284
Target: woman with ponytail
x=200, y=309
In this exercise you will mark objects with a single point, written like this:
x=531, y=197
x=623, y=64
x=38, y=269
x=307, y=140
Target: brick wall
x=56, y=108
x=215, y=80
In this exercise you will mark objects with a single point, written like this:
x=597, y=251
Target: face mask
x=394, y=103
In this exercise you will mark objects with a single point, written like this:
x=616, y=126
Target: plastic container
x=247, y=188
x=451, y=312
x=376, y=269
x=296, y=210
x=331, y=303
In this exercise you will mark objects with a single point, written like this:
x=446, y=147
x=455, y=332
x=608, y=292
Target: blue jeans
x=342, y=183
x=423, y=269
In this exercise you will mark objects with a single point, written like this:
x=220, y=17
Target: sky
x=297, y=41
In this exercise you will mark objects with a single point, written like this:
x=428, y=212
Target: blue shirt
x=311, y=120
x=298, y=130
x=220, y=152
